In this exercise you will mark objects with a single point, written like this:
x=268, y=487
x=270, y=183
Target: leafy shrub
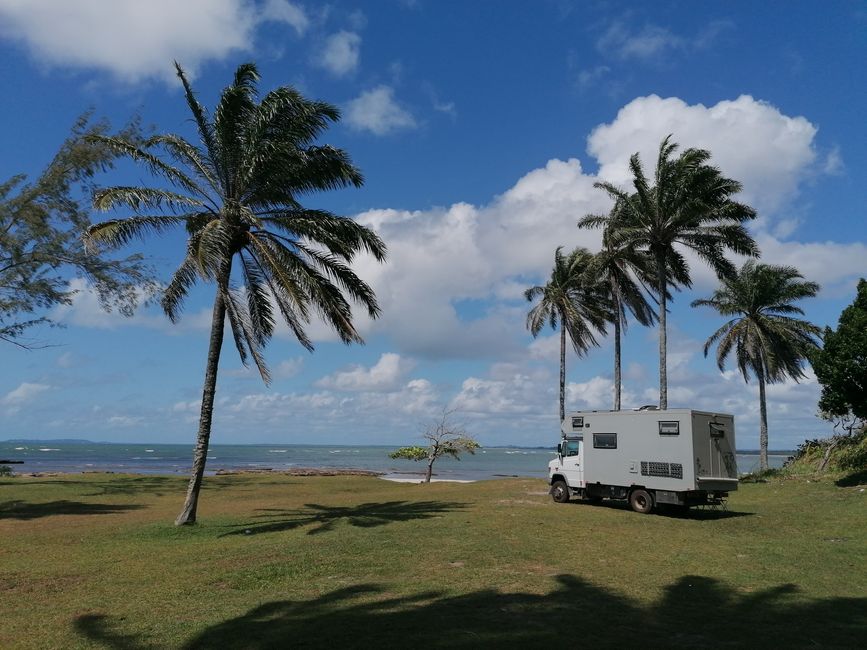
x=852, y=452
x=5, y=470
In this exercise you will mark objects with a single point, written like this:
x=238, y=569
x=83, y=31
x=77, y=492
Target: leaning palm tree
x=623, y=269
x=689, y=205
x=237, y=191
x=767, y=340
x=573, y=301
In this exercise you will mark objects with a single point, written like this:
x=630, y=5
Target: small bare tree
x=445, y=438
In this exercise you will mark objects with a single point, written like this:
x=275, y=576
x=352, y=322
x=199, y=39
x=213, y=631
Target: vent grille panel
x=665, y=470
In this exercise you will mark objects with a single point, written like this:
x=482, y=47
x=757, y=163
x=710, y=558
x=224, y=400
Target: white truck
x=647, y=457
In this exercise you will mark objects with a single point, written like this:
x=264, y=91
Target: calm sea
x=488, y=463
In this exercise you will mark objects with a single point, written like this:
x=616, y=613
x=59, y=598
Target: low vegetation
x=281, y=561
x=841, y=458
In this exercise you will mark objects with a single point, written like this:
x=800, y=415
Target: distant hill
x=55, y=441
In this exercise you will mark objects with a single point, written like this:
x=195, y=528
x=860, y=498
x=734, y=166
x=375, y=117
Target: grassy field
x=279, y=561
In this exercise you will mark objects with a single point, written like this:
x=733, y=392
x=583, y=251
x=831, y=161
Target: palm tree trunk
x=562, y=371
x=661, y=286
x=617, y=379
x=763, y=425
x=200, y=456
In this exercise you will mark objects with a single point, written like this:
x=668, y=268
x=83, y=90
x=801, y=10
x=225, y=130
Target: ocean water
x=487, y=463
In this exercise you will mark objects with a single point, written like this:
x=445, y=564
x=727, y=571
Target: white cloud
x=750, y=140
x=340, y=53
x=286, y=12
x=66, y=360
x=484, y=254
x=834, y=164
x=377, y=111
x=385, y=375
x=591, y=76
x=135, y=40
x=653, y=41
x=26, y=392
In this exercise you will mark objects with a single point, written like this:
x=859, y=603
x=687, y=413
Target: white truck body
x=676, y=456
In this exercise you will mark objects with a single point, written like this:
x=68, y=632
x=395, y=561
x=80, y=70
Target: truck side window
x=570, y=448
x=604, y=441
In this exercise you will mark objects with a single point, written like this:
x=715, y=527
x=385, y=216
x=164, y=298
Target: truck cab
x=567, y=470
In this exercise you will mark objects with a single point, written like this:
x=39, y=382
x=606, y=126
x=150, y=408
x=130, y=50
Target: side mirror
x=560, y=449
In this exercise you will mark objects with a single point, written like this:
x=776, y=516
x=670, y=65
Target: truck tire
x=560, y=491
x=641, y=501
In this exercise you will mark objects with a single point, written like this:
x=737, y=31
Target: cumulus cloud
x=751, y=141
x=135, y=40
x=384, y=375
x=482, y=255
x=378, y=112
x=340, y=53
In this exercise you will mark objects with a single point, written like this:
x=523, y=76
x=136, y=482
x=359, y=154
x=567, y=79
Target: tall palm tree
x=621, y=269
x=688, y=205
x=237, y=191
x=575, y=302
x=767, y=340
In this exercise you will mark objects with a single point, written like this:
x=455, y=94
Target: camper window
x=669, y=428
x=717, y=430
x=605, y=441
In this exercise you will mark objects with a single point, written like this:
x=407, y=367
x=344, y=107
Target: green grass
x=278, y=561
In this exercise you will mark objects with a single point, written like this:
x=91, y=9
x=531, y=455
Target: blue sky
x=480, y=128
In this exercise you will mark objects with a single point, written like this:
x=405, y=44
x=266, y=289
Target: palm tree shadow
x=25, y=511
x=324, y=518
x=694, y=611
x=99, y=629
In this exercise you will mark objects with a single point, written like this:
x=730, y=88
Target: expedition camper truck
x=648, y=457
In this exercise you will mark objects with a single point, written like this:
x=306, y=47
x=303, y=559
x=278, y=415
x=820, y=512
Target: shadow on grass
x=25, y=510
x=664, y=510
x=695, y=611
x=853, y=479
x=325, y=518
x=98, y=629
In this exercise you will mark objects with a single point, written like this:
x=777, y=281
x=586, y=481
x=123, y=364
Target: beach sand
x=421, y=480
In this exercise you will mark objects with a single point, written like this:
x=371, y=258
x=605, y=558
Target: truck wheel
x=560, y=492
x=641, y=501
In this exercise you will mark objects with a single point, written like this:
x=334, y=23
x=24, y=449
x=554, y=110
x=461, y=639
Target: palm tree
x=767, y=341
x=237, y=192
x=690, y=205
x=618, y=267
x=573, y=301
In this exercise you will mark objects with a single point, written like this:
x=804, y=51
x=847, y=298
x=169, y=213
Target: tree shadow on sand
x=325, y=518
x=695, y=611
x=25, y=510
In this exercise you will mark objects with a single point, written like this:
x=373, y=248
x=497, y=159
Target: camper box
x=649, y=457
